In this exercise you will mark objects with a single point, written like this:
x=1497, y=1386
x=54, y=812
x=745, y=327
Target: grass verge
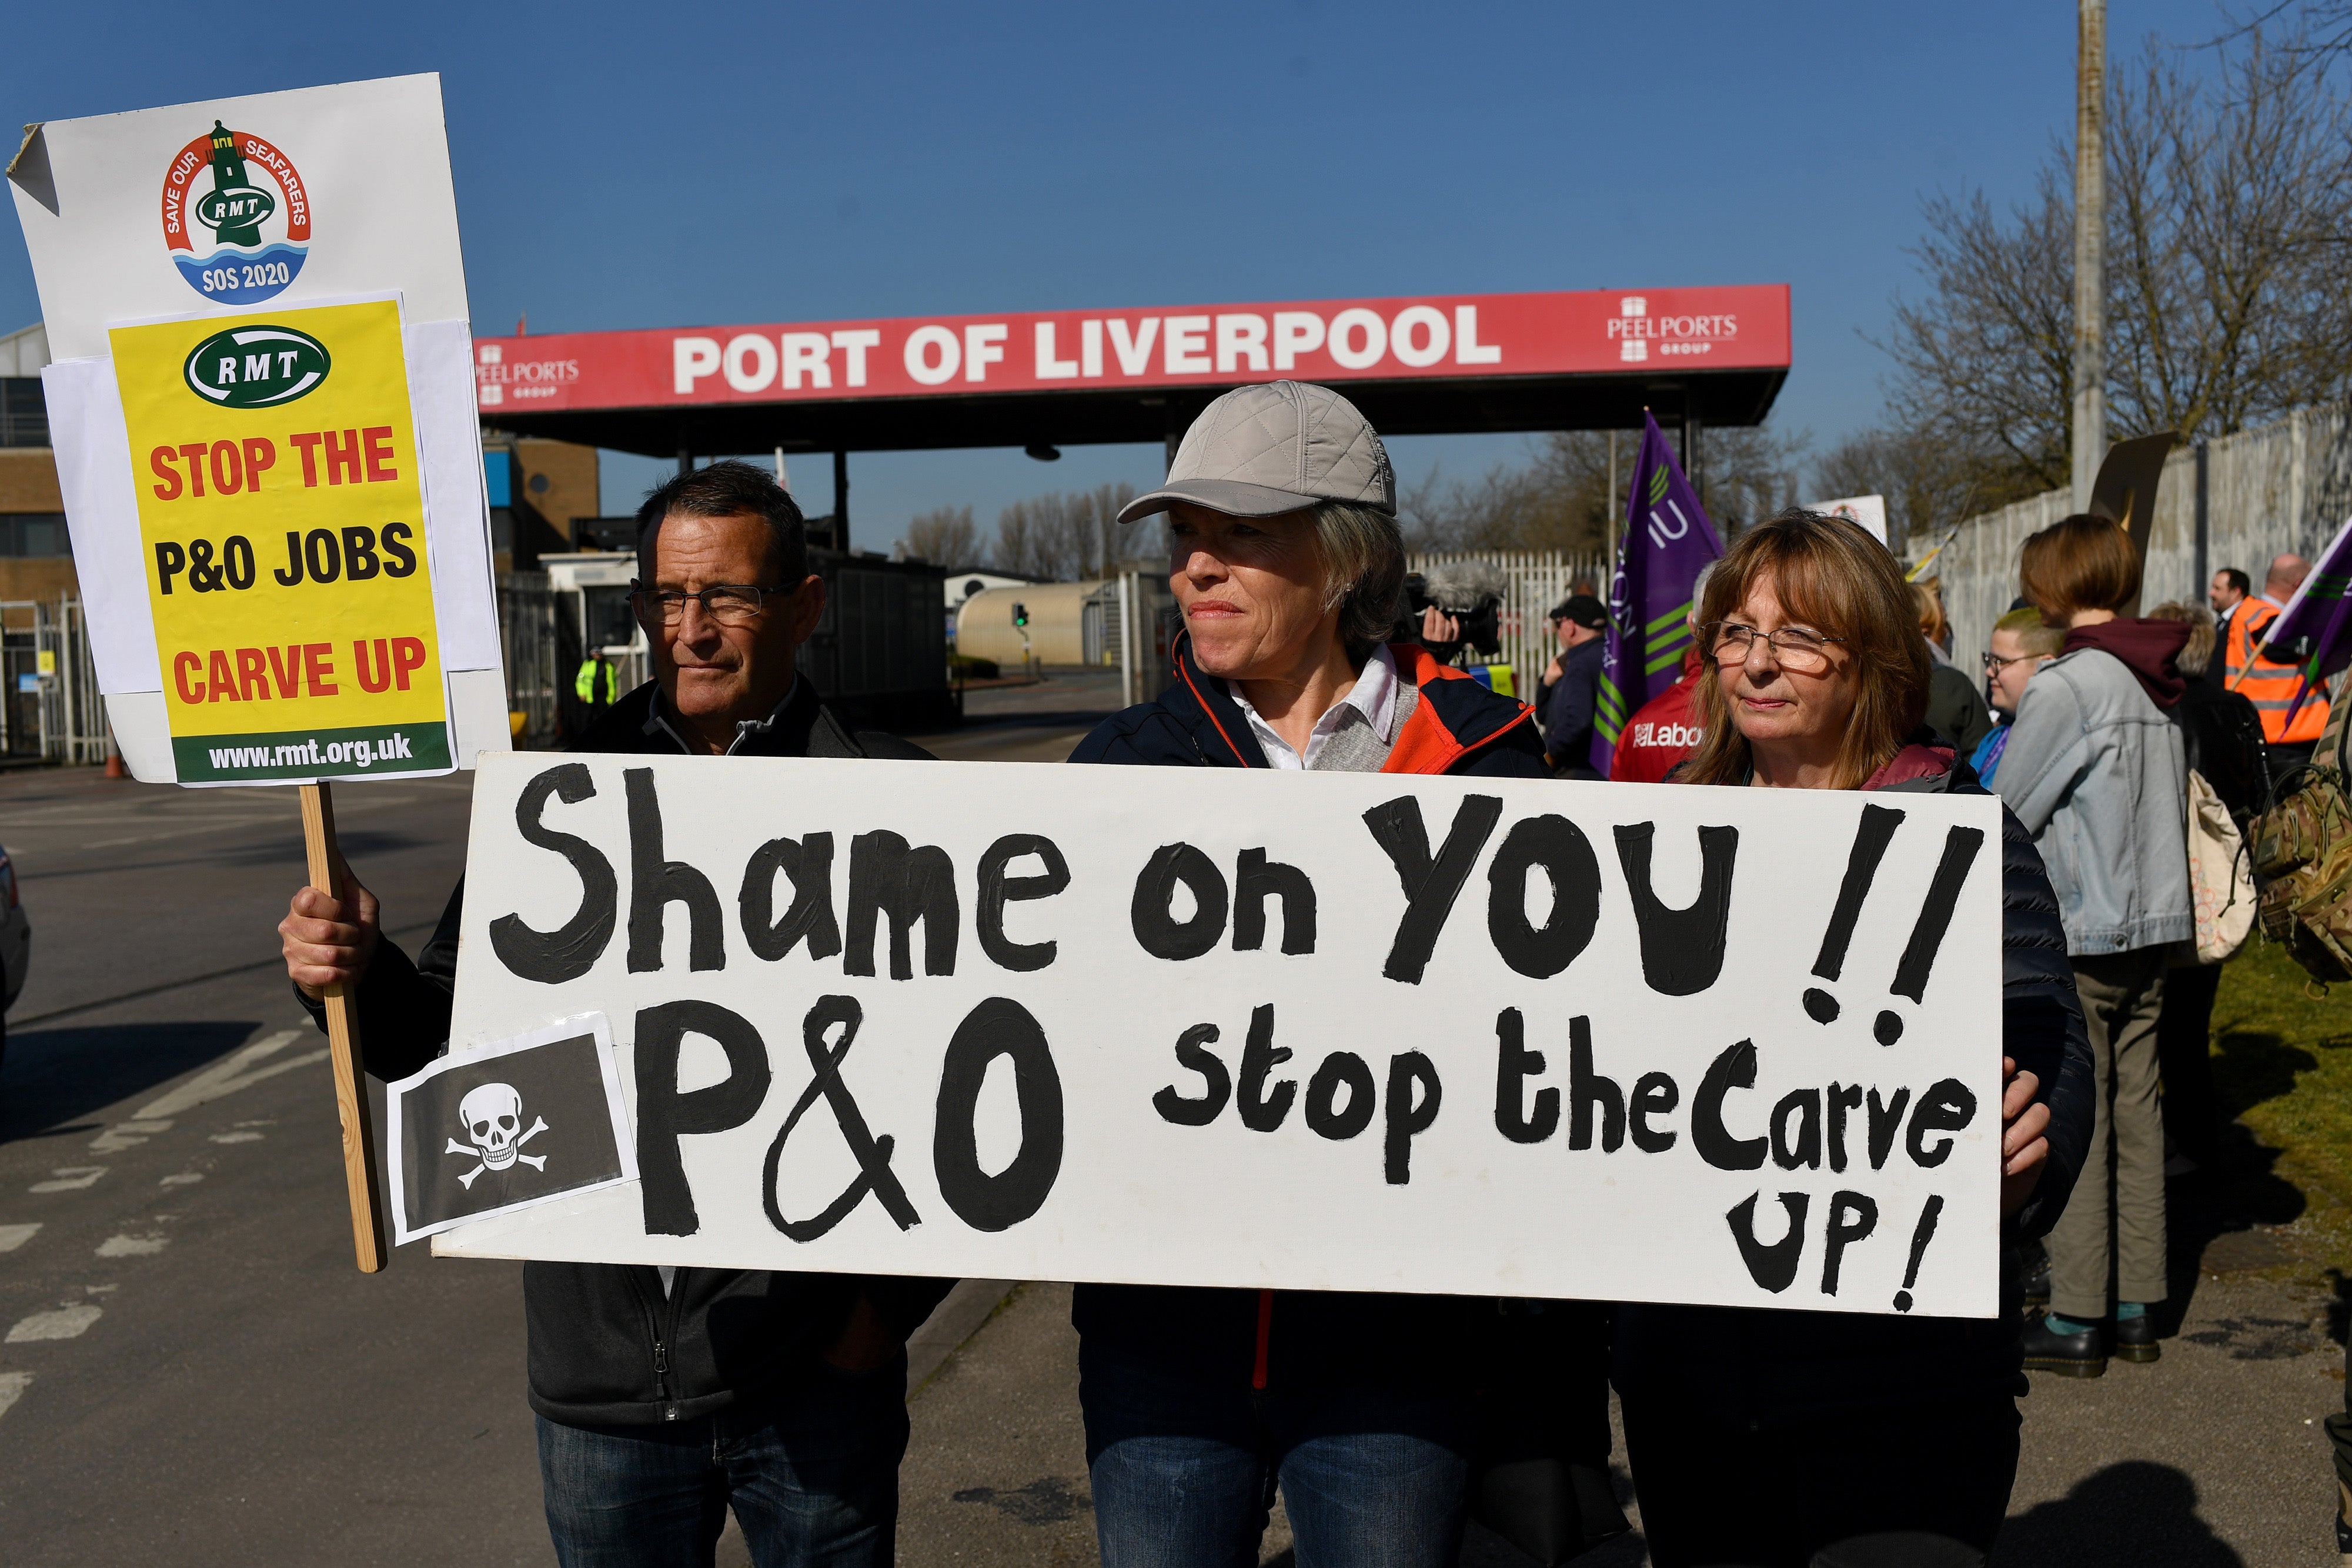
x=2282, y=1069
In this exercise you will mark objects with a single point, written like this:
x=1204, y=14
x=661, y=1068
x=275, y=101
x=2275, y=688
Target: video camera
x=1472, y=592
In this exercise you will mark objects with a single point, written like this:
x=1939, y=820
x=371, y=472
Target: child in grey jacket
x=2096, y=771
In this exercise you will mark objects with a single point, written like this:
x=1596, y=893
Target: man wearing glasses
x=664, y=1396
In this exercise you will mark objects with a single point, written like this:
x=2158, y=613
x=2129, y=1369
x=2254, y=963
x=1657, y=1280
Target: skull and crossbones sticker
x=492, y=1116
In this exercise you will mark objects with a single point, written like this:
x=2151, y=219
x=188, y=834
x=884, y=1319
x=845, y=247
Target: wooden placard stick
x=343, y=1048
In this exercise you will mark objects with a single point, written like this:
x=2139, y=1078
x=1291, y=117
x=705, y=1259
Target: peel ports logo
x=236, y=218
x=255, y=366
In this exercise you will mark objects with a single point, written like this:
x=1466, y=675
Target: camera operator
x=1572, y=685
x=1456, y=605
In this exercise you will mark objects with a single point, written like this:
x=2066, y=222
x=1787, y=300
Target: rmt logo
x=255, y=366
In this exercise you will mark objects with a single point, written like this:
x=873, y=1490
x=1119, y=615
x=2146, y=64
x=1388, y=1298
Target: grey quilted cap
x=1263, y=450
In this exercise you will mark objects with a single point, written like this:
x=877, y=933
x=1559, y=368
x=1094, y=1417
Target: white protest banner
x=263, y=412
x=1319, y=1031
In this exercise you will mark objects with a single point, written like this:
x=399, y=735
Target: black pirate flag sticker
x=494, y=1128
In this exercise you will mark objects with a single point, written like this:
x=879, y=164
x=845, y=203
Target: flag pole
x=328, y=875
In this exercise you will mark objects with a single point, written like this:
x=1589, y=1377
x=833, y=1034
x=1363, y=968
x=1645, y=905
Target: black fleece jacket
x=1302, y=1338
x=607, y=1346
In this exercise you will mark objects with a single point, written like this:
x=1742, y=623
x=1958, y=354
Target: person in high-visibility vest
x=598, y=683
x=2270, y=685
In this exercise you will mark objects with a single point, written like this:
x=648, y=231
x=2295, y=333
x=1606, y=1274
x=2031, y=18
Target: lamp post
x=2090, y=247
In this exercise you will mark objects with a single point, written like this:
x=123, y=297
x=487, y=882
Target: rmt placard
x=1310, y=1032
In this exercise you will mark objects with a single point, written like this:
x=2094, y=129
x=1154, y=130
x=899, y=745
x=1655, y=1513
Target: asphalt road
x=192, y=1372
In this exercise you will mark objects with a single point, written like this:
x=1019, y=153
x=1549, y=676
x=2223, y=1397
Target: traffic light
x=1021, y=615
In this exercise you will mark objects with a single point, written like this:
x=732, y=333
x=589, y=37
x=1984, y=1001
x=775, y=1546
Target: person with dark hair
x=1287, y=566
x=2222, y=739
x=2271, y=678
x=2230, y=589
x=1956, y=708
x=2095, y=769
x=665, y=1396
x=1570, y=691
x=1767, y=1436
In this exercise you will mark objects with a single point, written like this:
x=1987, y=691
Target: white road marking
x=184, y=1178
x=14, y=1236
x=69, y=1178
x=131, y=1246
x=227, y=1077
x=12, y=1388
x=66, y=1323
x=126, y=1135
x=236, y=1137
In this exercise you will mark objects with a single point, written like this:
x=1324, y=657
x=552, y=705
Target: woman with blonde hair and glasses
x=1763, y=1436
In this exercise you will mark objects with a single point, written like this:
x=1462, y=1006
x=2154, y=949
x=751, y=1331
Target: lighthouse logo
x=236, y=217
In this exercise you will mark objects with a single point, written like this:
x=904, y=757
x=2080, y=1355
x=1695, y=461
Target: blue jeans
x=1184, y=1469
x=813, y=1477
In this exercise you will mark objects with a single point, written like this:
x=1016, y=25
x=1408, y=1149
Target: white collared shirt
x=1372, y=701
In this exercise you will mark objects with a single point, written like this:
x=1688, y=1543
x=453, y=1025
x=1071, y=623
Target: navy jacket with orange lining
x=1298, y=1338
x=1459, y=726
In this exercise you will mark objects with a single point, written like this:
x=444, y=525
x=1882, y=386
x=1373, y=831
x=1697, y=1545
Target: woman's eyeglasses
x=728, y=603
x=1798, y=649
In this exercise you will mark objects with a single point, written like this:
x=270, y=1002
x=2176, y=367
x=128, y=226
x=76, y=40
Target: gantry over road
x=1438, y=364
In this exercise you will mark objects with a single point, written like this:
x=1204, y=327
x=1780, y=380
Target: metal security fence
x=536, y=677
x=50, y=704
x=2237, y=501
x=1538, y=579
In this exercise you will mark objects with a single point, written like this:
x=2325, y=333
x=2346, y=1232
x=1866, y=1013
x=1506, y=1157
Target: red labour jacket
x=1662, y=732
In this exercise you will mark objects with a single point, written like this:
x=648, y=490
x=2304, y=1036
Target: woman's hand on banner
x=327, y=941
x=2024, y=1151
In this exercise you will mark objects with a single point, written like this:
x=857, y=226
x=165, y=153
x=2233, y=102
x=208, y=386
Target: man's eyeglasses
x=1994, y=664
x=728, y=603
x=1798, y=649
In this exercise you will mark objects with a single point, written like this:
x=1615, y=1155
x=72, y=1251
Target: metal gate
x=535, y=672
x=49, y=705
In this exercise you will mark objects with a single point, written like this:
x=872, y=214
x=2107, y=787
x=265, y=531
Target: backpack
x=2221, y=876
x=2302, y=853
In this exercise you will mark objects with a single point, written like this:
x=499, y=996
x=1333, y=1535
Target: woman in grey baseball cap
x=1287, y=565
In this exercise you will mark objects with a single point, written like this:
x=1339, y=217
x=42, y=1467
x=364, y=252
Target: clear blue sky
x=654, y=165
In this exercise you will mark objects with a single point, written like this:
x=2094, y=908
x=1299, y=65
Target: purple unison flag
x=2316, y=615
x=1667, y=541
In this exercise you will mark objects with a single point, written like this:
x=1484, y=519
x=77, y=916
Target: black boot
x=2037, y=1278
x=2068, y=1356
x=2135, y=1339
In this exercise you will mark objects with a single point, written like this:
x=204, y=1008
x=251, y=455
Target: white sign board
x=245, y=298
x=1870, y=511
x=1312, y=1031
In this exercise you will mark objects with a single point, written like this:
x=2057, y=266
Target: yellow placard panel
x=283, y=529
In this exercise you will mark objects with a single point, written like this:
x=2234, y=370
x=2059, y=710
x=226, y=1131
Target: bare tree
x=1750, y=472
x=1987, y=357
x=943, y=536
x=1928, y=483
x=2229, y=198
x=1064, y=535
x=1559, y=500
